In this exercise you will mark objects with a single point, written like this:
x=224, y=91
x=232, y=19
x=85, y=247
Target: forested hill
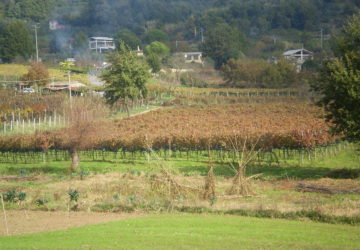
x=184, y=20
x=251, y=15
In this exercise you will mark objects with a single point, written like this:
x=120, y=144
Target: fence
x=26, y=122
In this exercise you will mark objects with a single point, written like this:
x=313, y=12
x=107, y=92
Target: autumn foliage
x=37, y=75
x=276, y=125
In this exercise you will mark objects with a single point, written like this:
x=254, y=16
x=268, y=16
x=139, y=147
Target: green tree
x=157, y=48
x=242, y=73
x=222, y=43
x=156, y=35
x=259, y=73
x=126, y=77
x=15, y=41
x=128, y=37
x=156, y=52
x=339, y=83
x=154, y=62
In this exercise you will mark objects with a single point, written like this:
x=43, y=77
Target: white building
x=101, y=44
x=193, y=57
x=298, y=57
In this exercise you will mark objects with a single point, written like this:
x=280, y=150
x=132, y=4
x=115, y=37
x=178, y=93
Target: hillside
x=267, y=25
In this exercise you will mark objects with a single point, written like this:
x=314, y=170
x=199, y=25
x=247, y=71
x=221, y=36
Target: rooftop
x=295, y=51
x=102, y=38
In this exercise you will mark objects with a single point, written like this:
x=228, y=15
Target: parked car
x=27, y=90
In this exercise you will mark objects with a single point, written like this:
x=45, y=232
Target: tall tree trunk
x=75, y=160
x=127, y=109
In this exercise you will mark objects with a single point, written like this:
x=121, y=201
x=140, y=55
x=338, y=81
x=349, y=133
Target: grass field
x=18, y=70
x=125, y=185
x=193, y=232
x=194, y=165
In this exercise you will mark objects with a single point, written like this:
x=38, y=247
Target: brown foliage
x=276, y=125
x=37, y=73
x=209, y=188
x=84, y=115
x=200, y=127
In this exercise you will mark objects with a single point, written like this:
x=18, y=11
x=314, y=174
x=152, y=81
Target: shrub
x=14, y=196
x=73, y=195
x=344, y=173
x=41, y=201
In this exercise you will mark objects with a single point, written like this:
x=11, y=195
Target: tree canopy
x=37, y=74
x=15, y=41
x=129, y=38
x=222, y=43
x=126, y=76
x=339, y=83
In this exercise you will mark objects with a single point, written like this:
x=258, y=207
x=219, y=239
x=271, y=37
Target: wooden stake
x=5, y=218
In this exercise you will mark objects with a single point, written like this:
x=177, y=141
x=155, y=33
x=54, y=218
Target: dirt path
x=21, y=222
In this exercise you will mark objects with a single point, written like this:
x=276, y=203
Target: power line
x=27, y=81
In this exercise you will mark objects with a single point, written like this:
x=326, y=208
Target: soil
x=27, y=222
x=324, y=185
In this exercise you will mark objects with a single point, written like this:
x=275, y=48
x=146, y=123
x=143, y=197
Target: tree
x=156, y=35
x=242, y=73
x=126, y=77
x=157, y=48
x=155, y=53
x=129, y=38
x=15, y=41
x=37, y=74
x=83, y=131
x=222, y=43
x=154, y=62
x=259, y=73
x=34, y=10
x=339, y=83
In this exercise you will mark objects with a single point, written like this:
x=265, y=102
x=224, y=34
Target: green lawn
x=194, y=232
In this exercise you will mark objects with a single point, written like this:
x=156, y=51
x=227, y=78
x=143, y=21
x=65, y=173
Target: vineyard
x=263, y=126
x=269, y=126
x=24, y=113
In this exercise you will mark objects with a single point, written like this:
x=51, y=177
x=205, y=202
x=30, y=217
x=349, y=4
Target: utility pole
x=36, y=26
x=321, y=38
x=202, y=35
x=66, y=66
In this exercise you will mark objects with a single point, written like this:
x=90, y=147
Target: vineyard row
x=220, y=156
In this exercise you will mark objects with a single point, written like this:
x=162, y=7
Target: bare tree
x=84, y=115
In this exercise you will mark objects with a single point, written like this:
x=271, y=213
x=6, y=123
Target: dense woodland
x=262, y=22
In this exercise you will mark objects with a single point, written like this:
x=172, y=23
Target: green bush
x=73, y=195
x=14, y=196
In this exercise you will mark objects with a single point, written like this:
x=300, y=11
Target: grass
x=194, y=232
x=100, y=162
x=17, y=70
